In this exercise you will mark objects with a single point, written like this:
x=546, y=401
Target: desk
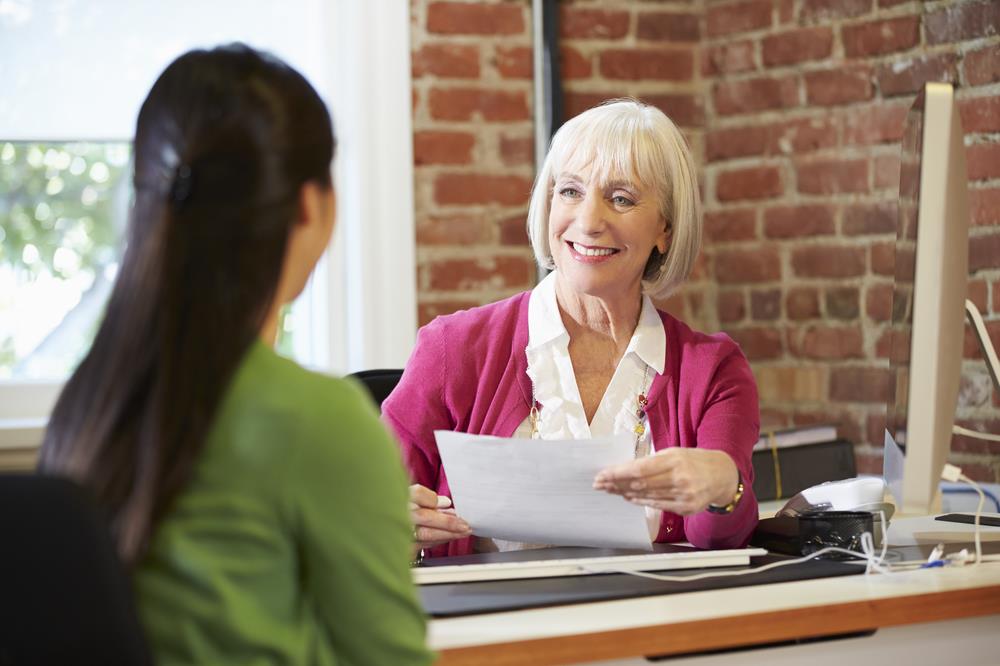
x=738, y=617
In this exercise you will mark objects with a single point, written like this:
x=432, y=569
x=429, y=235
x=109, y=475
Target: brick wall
x=804, y=109
x=794, y=110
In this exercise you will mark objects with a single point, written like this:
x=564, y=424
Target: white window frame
x=363, y=294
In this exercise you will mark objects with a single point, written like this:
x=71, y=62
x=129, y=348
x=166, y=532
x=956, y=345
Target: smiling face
x=602, y=232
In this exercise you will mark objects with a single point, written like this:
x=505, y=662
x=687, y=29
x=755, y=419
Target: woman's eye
x=621, y=200
x=571, y=192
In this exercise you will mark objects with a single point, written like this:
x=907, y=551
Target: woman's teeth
x=593, y=251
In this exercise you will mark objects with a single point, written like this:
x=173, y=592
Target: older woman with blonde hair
x=615, y=215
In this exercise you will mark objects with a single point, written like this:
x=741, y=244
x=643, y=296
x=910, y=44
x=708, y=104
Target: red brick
x=573, y=64
x=758, y=343
x=982, y=66
x=684, y=110
x=826, y=343
x=964, y=444
x=802, y=303
x=859, y=384
x=906, y=77
x=670, y=27
x=452, y=230
x=723, y=144
x=729, y=18
x=984, y=252
x=464, y=18
x=645, y=64
x=516, y=150
x=886, y=169
x=459, y=61
x=963, y=21
x=465, y=103
x=878, y=123
x=972, y=350
x=728, y=58
x=749, y=183
x=883, y=346
x=798, y=221
x=842, y=303
x=753, y=95
x=467, y=274
x=731, y=306
x=427, y=311
x=876, y=218
x=828, y=261
x=514, y=62
x=832, y=176
x=818, y=11
x=839, y=86
x=473, y=188
x=731, y=225
x=576, y=103
x=803, y=135
x=765, y=305
x=795, y=46
x=983, y=161
x=863, y=40
x=976, y=292
x=513, y=230
x=878, y=302
x=576, y=23
x=741, y=266
x=980, y=114
x=442, y=147
x=984, y=207
x=883, y=258
x=773, y=419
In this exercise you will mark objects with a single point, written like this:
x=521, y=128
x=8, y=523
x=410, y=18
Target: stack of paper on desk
x=541, y=491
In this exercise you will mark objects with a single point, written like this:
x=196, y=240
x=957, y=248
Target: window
x=75, y=74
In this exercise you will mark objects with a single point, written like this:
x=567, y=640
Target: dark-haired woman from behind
x=236, y=481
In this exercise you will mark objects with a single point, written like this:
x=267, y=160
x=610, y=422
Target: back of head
x=224, y=142
x=627, y=140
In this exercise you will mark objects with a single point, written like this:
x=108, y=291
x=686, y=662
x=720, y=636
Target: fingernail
x=464, y=526
x=638, y=485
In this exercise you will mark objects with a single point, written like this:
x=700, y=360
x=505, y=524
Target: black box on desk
x=782, y=472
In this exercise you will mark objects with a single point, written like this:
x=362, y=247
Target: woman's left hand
x=679, y=480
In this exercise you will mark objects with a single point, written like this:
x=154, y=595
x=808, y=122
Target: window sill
x=20, y=440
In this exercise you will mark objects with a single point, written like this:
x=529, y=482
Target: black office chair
x=64, y=594
x=379, y=383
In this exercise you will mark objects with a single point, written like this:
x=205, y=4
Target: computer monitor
x=931, y=273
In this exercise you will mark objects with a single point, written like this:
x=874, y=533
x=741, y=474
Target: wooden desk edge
x=735, y=631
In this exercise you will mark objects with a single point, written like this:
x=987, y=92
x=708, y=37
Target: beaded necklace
x=640, y=411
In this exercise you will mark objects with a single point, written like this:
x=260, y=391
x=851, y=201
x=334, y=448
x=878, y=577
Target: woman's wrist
x=731, y=489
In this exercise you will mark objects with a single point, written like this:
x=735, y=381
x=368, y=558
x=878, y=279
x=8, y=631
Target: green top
x=291, y=543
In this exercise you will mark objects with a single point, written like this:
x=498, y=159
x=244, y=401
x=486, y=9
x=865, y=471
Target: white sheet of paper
x=541, y=491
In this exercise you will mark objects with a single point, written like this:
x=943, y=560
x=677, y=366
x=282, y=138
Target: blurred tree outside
x=63, y=208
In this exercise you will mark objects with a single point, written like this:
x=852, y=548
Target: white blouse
x=561, y=415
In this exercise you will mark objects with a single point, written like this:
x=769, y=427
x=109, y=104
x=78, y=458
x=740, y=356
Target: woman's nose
x=590, y=215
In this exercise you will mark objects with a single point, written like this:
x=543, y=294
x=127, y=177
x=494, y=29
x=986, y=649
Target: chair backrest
x=379, y=383
x=64, y=595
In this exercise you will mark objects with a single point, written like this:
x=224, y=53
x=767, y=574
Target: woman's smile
x=591, y=254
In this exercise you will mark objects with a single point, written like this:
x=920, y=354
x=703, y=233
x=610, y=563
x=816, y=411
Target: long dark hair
x=224, y=142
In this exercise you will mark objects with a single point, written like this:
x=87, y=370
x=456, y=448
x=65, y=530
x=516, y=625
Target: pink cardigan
x=468, y=373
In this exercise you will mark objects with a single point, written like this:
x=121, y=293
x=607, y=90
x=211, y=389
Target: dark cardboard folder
x=453, y=599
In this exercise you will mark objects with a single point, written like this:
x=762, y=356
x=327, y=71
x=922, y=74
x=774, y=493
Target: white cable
x=989, y=437
x=979, y=512
x=873, y=562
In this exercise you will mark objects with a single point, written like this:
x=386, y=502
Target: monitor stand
x=985, y=344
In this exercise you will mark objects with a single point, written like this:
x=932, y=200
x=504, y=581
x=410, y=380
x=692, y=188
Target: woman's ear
x=663, y=242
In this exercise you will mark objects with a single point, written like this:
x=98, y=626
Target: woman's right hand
x=434, y=522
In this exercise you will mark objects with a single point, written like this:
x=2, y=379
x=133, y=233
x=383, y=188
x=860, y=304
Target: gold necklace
x=640, y=411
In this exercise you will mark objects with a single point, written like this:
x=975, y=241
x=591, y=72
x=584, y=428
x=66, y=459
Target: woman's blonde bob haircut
x=624, y=139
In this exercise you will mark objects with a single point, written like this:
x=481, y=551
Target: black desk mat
x=455, y=599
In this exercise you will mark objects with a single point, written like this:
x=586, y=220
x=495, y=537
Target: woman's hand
x=679, y=480
x=434, y=522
